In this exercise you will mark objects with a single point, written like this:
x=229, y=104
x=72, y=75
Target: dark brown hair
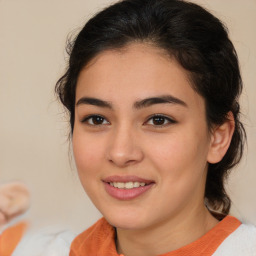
x=196, y=39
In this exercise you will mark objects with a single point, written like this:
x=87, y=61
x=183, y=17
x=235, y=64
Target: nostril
x=122, y=154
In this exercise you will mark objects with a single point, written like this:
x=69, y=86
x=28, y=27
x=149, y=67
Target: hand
x=14, y=200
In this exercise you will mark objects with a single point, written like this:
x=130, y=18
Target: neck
x=166, y=236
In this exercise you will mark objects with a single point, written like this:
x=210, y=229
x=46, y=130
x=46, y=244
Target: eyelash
x=86, y=120
x=167, y=120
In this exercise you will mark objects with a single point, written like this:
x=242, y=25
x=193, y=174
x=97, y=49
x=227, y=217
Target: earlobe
x=220, y=140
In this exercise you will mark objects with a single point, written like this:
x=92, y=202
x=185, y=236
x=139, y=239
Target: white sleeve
x=242, y=242
x=45, y=244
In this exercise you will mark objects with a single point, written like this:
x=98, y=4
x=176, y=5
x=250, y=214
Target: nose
x=124, y=149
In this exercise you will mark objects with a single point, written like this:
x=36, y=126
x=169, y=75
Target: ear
x=220, y=140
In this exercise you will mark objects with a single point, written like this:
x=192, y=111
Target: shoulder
x=241, y=242
x=45, y=243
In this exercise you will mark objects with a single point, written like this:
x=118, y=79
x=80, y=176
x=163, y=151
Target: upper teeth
x=127, y=185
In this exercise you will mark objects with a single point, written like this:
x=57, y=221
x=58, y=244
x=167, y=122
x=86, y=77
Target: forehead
x=136, y=71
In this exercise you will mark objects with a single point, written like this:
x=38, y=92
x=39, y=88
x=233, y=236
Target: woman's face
x=140, y=137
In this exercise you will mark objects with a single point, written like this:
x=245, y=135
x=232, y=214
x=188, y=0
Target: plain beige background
x=33, y=129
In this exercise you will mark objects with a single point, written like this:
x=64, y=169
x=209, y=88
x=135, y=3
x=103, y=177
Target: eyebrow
x=137, y=105
x=158, y=100
x=94, y=102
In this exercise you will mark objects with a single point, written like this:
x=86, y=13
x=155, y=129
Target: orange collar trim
x=99, y=240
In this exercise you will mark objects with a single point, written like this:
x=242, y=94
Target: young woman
x=152, y=90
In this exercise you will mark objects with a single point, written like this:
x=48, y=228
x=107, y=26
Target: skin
x=173, y=154
x=14, y=200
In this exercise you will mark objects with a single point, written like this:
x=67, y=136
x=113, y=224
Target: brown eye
x=160, y=120
x=95, y=120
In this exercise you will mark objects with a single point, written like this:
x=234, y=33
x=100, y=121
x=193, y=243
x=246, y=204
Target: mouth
x=127, y=187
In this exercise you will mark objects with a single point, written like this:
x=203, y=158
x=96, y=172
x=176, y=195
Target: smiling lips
x=126, y=187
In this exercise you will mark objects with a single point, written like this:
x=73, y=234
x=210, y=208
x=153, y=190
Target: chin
x=126, y=220
x=124, y=223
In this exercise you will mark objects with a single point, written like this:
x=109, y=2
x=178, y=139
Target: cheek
x=87, y=154
x=88, y=159
x=182, y=154
x=181, y=170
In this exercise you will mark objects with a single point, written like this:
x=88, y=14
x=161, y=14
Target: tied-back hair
x=200, y=44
